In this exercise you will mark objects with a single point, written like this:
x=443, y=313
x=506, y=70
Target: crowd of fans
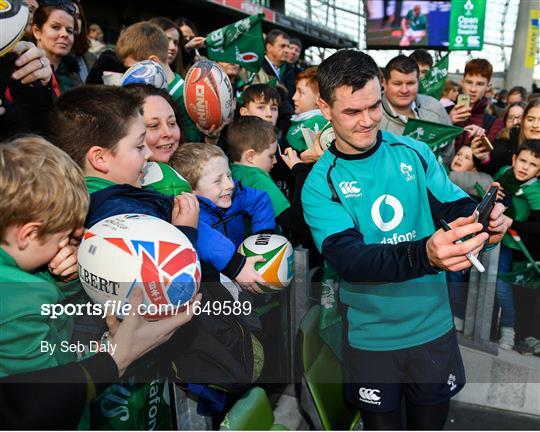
x=245, y=177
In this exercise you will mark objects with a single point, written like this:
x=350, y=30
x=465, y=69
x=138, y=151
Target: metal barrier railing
x=480, y=304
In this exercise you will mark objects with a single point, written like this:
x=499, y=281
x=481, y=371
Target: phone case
x=483, y=210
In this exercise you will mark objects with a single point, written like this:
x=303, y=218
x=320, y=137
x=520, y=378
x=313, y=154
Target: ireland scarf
x=433, y=83
x=241, y=43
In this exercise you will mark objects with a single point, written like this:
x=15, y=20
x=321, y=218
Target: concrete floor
x=465, y=416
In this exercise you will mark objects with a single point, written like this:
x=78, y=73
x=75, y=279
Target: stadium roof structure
x=349, y=17
x=209, y=15
x=227, y=11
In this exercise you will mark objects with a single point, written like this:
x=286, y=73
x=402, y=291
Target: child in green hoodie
x=43, y=204
x=522, y=189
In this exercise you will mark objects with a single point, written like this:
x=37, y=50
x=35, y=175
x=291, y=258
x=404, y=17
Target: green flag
x=435, y=135
x=433, y=83
x=241, y=43
x=523, y=274
x=467, y=19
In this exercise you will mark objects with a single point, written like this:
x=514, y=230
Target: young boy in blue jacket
x=103, y=131
x=235, y=210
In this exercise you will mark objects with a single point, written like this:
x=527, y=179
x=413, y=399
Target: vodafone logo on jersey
x=370, y=396
x=393, y=202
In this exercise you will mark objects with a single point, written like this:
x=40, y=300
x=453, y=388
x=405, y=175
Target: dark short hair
x=421, y=56
x=345, y=68
x=260, y=92
x=90, y=116
x=249, y=132
x=532, y=145
x=44, y=11
x=518, y=89
x=297, y=42
x=401, y=63
x=273, y=35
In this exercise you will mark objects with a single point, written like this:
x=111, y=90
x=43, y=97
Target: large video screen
x=398, y=24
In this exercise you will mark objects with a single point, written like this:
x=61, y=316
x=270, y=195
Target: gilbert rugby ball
x=127, y=251
x=278, y=269
x=327, y=136
x=13, y=18
x=145, y=72
x=208, y=95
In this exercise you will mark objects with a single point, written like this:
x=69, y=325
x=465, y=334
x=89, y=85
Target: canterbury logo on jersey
x=349, y=189
x=370, y=396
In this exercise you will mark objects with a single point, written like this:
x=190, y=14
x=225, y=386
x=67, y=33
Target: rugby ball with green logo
x=160, y=177
x=278, y=268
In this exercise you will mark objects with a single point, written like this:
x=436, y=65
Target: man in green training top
x=414, y=26
x=373, y=202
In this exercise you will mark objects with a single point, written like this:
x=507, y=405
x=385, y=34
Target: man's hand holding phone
x=446, y=252
x=498, y=223
x=490, y=214
x=447, y=249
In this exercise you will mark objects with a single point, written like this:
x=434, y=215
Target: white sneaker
x=506, y=341
x=458, y=323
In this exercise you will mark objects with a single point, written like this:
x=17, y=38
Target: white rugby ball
x=145, y=72
x=13, y=19
x=208, y=95
x=127, y=251
x=278, y=269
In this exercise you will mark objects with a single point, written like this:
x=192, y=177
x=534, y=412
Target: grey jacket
x=429, y=109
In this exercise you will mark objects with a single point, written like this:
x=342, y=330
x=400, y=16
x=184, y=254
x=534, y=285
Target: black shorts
x=426, y=374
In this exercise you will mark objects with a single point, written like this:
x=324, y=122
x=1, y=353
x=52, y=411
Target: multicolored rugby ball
x=13, y=18
x=208, y=95
x=125, y=251
x=278, y=269
x=145, y=72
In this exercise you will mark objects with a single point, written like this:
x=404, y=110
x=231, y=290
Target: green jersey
x=416, y=22
x=371, y=215
x=312, y=120
x=256, y=178
x=525, y=198
x=176, y=90
x=28, y=334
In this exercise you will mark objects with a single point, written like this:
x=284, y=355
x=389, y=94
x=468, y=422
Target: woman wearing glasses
x=54, y=28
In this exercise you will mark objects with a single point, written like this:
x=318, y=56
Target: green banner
x=435, y=135
x=240, y=43
x=433, y=82
x=524, y=274
x=467, y=19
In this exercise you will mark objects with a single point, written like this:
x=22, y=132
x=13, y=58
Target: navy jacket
x=212, y=246
x=248, y=206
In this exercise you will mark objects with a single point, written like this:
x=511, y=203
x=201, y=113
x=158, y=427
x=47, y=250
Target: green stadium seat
x=251, y=412
x=322, y=373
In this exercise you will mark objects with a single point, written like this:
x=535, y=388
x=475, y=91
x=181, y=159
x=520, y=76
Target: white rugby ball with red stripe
x=208, y=95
